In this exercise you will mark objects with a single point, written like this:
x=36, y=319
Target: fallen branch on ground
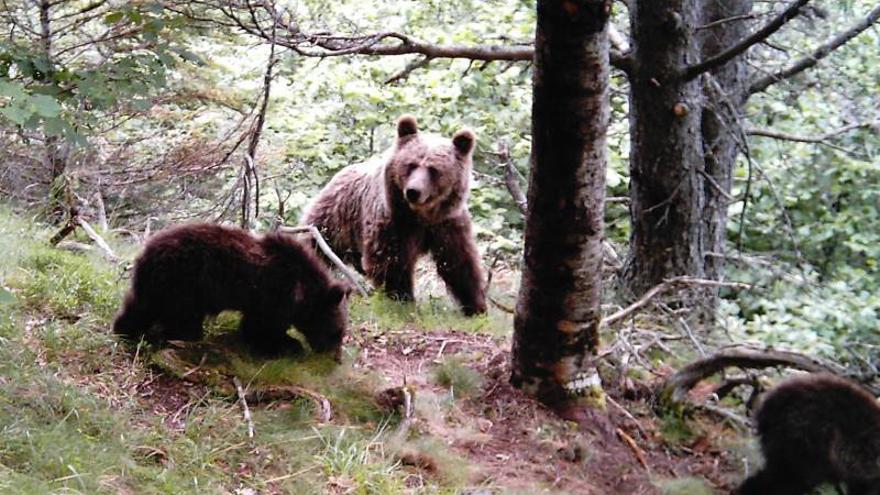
x=93, y=235
x=289, y=392
x=628, y=440
x=244, y=407
x=677, y=386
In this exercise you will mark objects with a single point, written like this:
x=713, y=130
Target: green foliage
x=433, y=313
x=812, y=229
x=79, y=416
x=352, y=461
x=677, y=429
x=119, y=71
x=454, y=375
x=66, y=285
x=684, y=486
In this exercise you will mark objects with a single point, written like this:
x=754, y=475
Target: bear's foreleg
x=134, y=320
x=268, y=336
x=458, y=263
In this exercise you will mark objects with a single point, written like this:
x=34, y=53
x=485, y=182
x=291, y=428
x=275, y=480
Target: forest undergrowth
x=82, y=413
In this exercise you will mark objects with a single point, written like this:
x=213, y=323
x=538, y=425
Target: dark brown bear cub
x=817, y=429
x=187, y=272
x=384, y=214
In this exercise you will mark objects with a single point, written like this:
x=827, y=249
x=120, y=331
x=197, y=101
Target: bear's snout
x=417, y=186
x=412, y=195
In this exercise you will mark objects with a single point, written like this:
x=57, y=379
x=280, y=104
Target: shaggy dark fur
x=382, y=215
x=187, y=272
x=817, y=429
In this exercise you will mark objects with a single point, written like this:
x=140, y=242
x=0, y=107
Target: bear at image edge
x=187, y=272
x=817, y=429
x=382, y=215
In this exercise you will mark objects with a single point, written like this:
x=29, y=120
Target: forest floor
x=80, y=413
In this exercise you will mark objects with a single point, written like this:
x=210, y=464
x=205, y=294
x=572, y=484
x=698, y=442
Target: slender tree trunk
x=55, y=160
x=558, y=309
x=666, y=163
x=726, y=90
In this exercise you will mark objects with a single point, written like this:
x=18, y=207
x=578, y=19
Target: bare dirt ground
x=520, y=442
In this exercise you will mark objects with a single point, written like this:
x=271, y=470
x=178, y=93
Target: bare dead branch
x=822, y=139
x=511, y=177
x=412, y=66
x=246, y=411
x=108, y=251
x=676, y=387
x=503, y=307
x=325, y=248
x=818, y=54
x=289, y=392
x=663, y=287
x=628, y=440
x=388, y=43
x=761, y=34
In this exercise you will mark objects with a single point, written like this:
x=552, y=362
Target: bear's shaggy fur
x=816, y=429
x=187, y=272
x=382, y=215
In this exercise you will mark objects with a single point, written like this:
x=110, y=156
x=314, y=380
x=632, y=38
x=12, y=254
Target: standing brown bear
x=383, y=214
x=187, y=272
x=817, y=429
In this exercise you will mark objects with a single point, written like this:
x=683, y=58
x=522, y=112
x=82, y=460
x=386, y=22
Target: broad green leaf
x=12, y=89
x=6, y=296
x=113, y=17
x=45, y=106
x=16, y=114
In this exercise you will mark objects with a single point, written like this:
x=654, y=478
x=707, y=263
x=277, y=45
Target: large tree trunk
x=666, y=186
x=558, y=310
x=726, y=90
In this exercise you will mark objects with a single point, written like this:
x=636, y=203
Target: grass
x=428, y=313
x=460, y=380
x=73, y=420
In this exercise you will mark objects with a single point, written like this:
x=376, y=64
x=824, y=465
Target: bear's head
x=304, y=293
x=322, y=317
x=429, y=174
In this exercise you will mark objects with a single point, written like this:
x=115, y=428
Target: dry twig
x=663, y=287
x=244, y=407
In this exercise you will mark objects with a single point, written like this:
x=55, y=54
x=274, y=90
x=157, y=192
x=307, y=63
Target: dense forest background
x=148, y=111
x=138, y=115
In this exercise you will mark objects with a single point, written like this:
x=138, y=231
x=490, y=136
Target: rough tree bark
x=666, y=186
x=558, y=311
x=726, y=90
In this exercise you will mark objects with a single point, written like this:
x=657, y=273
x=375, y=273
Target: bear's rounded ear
x=463, y=141
x=407, y=126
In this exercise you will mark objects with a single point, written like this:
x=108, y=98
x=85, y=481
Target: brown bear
x=383, y=214
x=187, y=272
x=817, y=429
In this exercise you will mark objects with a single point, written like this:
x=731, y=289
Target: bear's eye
x=410, y=167
x=434, y=172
